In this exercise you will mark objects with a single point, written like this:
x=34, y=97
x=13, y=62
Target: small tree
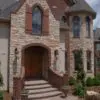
x=1, y=79
x=1, y=84
x=80, y=75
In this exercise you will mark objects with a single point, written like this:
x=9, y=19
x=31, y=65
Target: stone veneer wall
x=20, y=39
x=81, y=43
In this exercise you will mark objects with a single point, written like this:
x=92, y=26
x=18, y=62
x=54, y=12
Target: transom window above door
x=37, y=21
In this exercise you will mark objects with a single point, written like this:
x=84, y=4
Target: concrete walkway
x=70, y=97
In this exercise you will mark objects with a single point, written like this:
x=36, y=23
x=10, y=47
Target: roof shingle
x=81, y=6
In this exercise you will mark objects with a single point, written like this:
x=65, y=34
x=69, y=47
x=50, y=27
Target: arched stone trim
x=35, y=44
x=39, y=6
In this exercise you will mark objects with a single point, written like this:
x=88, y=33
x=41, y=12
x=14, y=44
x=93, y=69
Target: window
x=76, y=26
x=63, y=19
x=88, y=26
x=88, y=60
x=98, y=62
x=98, y=46
x=66, y=64
x=37, y=21
x=55, y=59
x=78, y=61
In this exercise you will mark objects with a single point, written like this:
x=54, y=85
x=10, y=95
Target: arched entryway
x=36, y=62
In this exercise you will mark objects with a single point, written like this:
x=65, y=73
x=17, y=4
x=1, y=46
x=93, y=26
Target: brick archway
x=39, y=52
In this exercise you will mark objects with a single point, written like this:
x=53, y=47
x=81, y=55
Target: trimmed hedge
x=89, y=81
x=79, y=90
x=96, y=81
x=1, y=95
x=93, y=81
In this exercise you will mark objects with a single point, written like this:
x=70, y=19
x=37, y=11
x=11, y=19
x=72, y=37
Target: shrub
x=1, y=80
x=96, y=81
x=79, y=90
x=1, y=95
x=98, y=76
x=72, y=81
x=89, y=81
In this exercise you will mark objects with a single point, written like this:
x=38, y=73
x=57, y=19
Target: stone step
x=44, y=95
x=37, y=82
x=42, y=90
x=32, y=87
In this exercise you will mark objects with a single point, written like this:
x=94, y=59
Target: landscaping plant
x=89, y=82
x=80, y=89
x=1, y=84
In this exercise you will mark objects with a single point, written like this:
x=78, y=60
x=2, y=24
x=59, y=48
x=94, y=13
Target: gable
x=57, y=7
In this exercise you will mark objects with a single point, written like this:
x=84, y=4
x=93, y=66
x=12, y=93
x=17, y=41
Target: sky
x=95, y=4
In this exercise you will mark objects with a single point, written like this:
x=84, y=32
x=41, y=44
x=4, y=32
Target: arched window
x=78, y=60
x=88, y=26
x=37, y=21
x=63, y=19
x=76, y=26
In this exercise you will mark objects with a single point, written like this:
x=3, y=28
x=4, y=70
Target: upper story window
x=88, y=27
x=37, y=21
x=76, y=26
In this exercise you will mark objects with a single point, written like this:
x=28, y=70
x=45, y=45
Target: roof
x=81, y=6
x=5, y=3
x=8, y=6
x=5, y=12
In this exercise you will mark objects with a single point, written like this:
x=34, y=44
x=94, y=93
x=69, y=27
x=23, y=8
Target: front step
x=37, y=86
x=37, y=82
x=40, y=89
x=44, y=95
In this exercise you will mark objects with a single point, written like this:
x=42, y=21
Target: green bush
x=1, y=80
x=96, y=81
x=1, y=95
x=79, y=90
x=98, y=76
x=72, y=81
x=89, y=81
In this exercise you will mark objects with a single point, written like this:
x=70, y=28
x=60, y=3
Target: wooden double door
x=33, y=60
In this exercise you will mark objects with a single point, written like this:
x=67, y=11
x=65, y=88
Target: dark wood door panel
x=33, y=64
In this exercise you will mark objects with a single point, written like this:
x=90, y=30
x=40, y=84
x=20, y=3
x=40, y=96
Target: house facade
x=97, y=50
x=40, y=39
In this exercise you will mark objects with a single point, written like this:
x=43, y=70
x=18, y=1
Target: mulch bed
x=94, y=88
x=7, y=96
